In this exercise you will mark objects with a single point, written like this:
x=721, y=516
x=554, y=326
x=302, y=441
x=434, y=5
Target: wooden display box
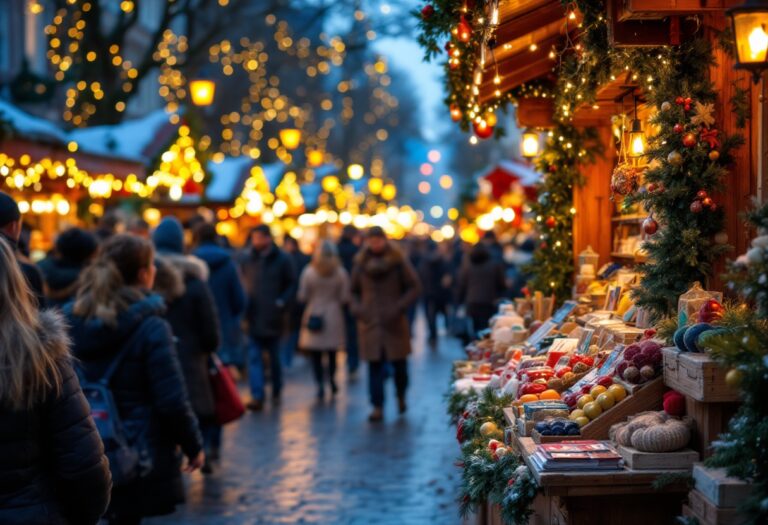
x=710, y=420
x=648, y=397
x=715, y=485
x=697, y=376
x=539, y=439
x=636, y=460
x=709, y=513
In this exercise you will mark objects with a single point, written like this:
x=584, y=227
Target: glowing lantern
x=750, y=30
x=315, y=158
x=202, y=90
x=530, y=145
x=290, y=137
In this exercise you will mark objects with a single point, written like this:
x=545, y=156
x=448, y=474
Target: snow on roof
x=131, y=139
x=30, y=126
x=227, y=178
x=273, y=173
x=527, y=175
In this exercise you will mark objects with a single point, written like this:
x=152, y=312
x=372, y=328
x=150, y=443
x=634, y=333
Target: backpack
x=128, y=461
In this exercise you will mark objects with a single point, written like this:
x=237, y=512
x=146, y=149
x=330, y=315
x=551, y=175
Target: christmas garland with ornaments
x=491, y=472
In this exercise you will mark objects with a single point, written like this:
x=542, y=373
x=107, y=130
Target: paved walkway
x=307, y=462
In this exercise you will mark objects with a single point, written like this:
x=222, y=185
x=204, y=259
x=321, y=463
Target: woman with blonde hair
x=324, y=288
x=52, y=464
x=115, y=319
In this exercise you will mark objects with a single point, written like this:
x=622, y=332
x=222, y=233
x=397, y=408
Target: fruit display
x=594, y=399
x=558, y=427
x=641, y=362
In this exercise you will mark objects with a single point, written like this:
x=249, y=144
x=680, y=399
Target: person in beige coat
x=324, y=288
x=384, y=286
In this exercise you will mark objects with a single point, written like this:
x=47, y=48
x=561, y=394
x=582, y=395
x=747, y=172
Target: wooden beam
x=535, y=112
x=658, y=9
x=527, y=23
x=527, y=72
x=510, y=9
x=519, y=59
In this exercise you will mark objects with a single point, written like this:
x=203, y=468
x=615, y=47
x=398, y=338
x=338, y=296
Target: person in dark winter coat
x=435, y=278
x=294, y=310
x=348, y=246
x=481, y=284
x=224, y=282
x=270, y=284
x=74, y=249
x=10, y=230
x=113, y=309
x=383, y=286
x=52, y=465
x=182, y=282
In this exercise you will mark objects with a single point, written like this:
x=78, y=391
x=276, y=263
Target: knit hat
x=76, y=245
x=169, y=236
x=376, y=231
x=9, y=210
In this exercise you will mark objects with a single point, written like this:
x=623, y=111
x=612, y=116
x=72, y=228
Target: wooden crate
x=709, y=420
x=494, y=514
x=649, y=397
x=708, y=512
x=697, y=376
x=539, y=439
x=636, y=460
x=715, y=485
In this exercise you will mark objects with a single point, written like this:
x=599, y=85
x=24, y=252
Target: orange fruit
x=550, y=395
x=528, y=398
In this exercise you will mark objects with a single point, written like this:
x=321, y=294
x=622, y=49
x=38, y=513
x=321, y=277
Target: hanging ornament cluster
x=702, y=201
x=625, y=179
x=685, y=102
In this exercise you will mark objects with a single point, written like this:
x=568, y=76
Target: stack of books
x=577, y=455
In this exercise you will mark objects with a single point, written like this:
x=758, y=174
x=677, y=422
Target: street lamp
x=355, y=171
x=750, y=30
x=530, y=145
x=290, y=137
x=202, y=90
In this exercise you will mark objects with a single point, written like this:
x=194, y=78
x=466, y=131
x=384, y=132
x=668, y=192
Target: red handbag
x=229, y=406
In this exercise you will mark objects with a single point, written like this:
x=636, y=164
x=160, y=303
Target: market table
x=625, y=497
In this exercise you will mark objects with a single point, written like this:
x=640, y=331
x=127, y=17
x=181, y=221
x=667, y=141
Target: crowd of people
x=132, y=315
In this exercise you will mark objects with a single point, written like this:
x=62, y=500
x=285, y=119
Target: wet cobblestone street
x=312, y=462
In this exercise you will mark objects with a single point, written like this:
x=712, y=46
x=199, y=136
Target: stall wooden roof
x=527, y=32
x=608, y=101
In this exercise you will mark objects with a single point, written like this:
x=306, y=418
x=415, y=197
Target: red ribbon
x=710, y=137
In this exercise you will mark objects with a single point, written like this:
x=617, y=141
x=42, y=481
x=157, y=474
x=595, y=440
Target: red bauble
x=455, y=113
x=688, y=101
x=551, y=222
x=482, y=129
x=678, y=128
x=651, y=187
x=706, y=201
x=679, y=101
x=713, y=207
x=427, y=11
x=552, y=168
x=696, y=207
x=463, y=30
x=701, y=194
x=650, y=226
x=689, y=140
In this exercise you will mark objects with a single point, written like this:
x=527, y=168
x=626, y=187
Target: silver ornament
x=666, y=106
x=675, y=158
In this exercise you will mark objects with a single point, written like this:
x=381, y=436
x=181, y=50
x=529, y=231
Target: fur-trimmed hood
x=54, y=333
x=379, y=264
x=174, y=270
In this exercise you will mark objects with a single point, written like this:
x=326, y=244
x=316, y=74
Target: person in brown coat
x=324, y=289
x=384, y=286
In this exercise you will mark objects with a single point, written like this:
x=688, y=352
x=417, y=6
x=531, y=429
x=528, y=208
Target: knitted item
x=674, y=403
x=668, y=437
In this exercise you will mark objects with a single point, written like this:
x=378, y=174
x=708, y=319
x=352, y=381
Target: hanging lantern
x=202, y=91
x=637, y=142
x=290, y=137
x=750, y=30
x=529, y=147
x=463, y=30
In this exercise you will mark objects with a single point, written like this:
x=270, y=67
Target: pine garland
x=457, y=403
x=484, y=480
x=742, y=346
x=516, y=505
x=552, y=265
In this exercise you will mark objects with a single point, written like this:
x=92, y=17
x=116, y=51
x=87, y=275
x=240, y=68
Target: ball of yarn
x=674, y=403
x=667, y=437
